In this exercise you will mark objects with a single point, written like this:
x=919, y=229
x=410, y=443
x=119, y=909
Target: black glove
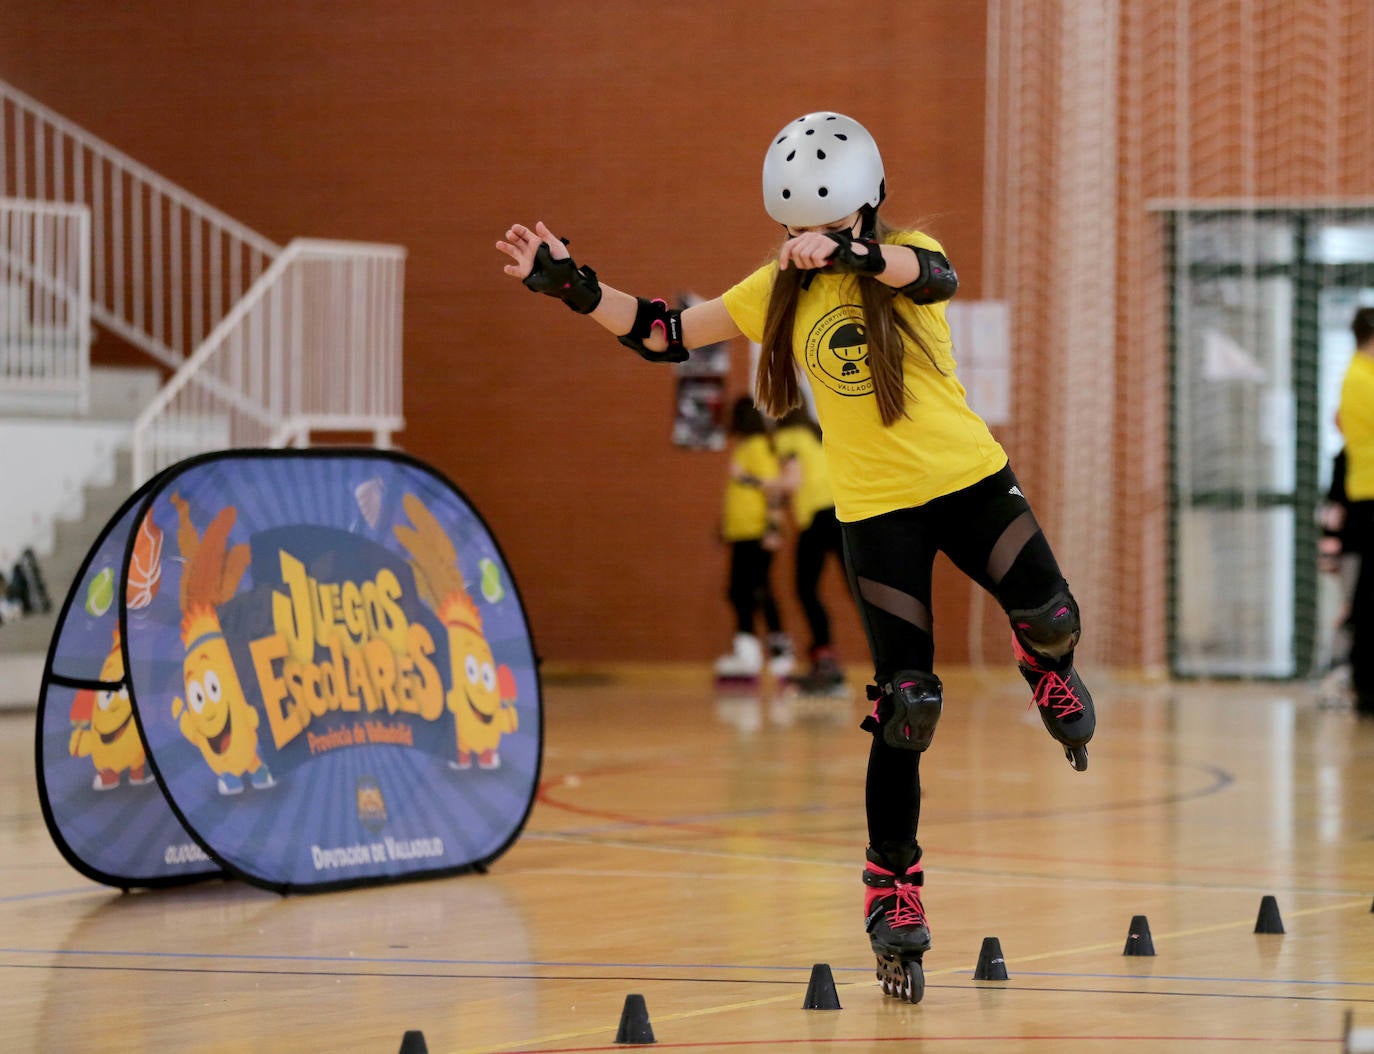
x=564, y=280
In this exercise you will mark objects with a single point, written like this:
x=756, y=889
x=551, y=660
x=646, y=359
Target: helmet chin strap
x=868, y=220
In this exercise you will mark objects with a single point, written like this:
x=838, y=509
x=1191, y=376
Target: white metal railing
x=314, y=345
x=45, y=300
x=167, y=266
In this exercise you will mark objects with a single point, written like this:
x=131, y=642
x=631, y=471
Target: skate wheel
x=902, y=979
x=915, y=981
x=1078, y=757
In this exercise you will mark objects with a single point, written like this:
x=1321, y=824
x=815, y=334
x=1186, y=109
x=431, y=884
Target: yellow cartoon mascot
x=215, y=716
x=482, y=699
x=104, y=728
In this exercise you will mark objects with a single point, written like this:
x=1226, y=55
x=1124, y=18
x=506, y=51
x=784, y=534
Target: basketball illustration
x=145, y=566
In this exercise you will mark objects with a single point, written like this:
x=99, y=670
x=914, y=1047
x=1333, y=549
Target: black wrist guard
x=845, y=259
x=937, y=280
x=564, y=280
x=653, y=313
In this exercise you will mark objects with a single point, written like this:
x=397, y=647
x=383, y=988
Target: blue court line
x=794, y=982
x=544, y=964
x=55, y=893
x=403, y=960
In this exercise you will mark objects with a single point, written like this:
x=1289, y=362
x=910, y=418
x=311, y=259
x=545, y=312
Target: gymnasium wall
x=637, y=130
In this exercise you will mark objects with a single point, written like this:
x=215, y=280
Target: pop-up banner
x=307, y=669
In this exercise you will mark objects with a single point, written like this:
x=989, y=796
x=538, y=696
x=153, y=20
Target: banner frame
x=139, y=505
x=50, y=677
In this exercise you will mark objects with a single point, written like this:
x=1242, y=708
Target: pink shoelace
x=1057, y=694
x=907, y=910
x=1051, y=690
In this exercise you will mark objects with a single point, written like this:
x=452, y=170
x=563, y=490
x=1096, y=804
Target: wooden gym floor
x=705, y=853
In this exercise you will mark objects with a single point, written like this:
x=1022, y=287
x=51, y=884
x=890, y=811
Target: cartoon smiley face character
x=482, y=697
x=216, y=716
x=104, y=727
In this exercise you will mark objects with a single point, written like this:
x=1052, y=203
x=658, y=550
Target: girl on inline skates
x=856, y=307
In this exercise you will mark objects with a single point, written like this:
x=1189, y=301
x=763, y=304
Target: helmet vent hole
x=845, y=138
x=786, y=193
x=811, y=131
x=791, y=155
x=780, y=141
x=820, y=155
x=823, y=191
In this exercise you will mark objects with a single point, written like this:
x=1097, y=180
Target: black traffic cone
x=413, y=1042
x=634, y=1022
x=991, y=965
x=1138, y=940
x=820, y=993
x=1268, y=920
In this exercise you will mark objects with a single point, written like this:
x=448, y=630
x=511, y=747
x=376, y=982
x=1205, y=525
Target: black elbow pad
x=937, y=280
x=656, y=313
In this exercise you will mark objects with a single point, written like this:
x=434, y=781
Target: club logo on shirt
x=837, y=351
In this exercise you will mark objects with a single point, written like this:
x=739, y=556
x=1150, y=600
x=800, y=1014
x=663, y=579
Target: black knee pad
x=908, y=709
x=1052, y=629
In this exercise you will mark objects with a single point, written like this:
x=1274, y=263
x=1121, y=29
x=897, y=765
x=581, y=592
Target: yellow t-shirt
x=940, y=446
x=745, y=514
x=1356, y=417
x=813, y=495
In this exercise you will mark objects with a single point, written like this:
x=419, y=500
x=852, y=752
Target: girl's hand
x=807, y=252
x=521, y=244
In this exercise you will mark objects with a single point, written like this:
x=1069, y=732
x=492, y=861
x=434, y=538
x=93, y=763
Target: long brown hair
x=777, y=388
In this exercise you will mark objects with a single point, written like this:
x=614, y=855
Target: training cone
x=991, y=965
x=820, y=993
x=1268, y=920
x=1138, y=940
x=634, y=1022
x=413, y=1042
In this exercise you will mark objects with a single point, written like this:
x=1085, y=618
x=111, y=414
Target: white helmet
x=819, y=169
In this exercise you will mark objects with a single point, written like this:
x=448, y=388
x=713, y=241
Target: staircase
x=73, y=539
x=265, y=345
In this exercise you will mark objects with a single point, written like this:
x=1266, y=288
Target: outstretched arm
x=923, y=275
x=620, y=313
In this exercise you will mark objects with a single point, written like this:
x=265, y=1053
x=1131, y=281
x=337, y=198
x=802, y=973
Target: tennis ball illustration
x=492, y=589
x=100, y=593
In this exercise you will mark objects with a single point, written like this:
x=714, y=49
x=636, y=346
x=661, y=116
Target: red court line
x=543, y=796
x=811, y=1041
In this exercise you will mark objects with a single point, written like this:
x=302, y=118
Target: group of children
x=776, y=475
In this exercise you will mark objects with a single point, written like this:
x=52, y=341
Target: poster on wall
x=699, y=392
x=334, y=681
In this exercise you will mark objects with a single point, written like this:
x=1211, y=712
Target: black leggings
x=751, y=590
x=820, y=538
x=990, y=534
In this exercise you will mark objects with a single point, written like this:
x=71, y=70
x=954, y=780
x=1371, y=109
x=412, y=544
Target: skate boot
x=1066, y=708
x=781, y=659
x=825, y=676
x=896, y=922
x=741, y=668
